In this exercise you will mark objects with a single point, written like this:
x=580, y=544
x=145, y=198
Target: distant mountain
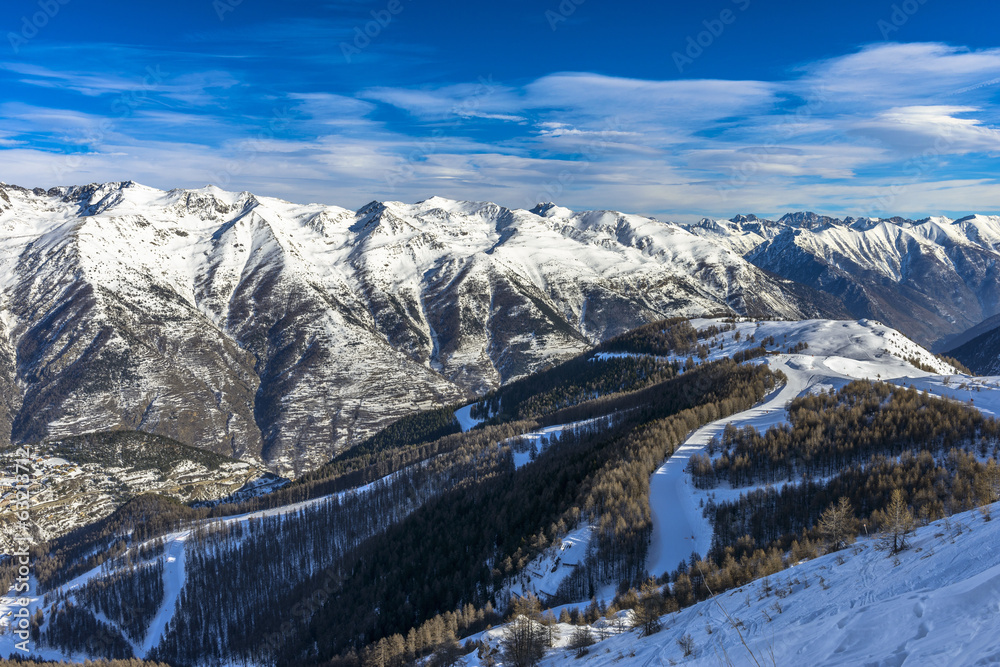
x=931, y=279
x=960, y=339
x=278, y=333
x=982, y=353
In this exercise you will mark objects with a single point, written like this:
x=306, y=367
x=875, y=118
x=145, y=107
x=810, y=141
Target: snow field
x=936, y=603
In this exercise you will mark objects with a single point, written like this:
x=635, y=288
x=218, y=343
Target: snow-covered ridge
x=237, y=322
x=931, y=278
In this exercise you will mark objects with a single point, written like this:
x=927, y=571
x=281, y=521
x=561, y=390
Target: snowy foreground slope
x=935, y=604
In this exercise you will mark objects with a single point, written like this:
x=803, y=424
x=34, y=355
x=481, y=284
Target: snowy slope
x=837, y=352
x=174, y=557
x=936, y=604
x=278, y=332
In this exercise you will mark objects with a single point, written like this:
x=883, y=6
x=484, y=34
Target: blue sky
x=670, y=109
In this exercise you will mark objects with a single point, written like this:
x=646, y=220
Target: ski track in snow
x=173, y=583
x=173, y=577
x=465, y=420
x=838, y=352
x=678, y=525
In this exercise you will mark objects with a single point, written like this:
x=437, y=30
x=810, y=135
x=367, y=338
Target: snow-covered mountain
x=931, y=278
x=278, y=332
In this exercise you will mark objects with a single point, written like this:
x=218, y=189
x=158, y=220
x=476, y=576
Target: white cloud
x=936, y=128
x=661, y=103
x=901, y=73
x=465, y=99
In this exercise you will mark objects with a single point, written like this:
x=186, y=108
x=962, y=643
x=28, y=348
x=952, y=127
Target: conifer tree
x=838, y=525
x=896, y=523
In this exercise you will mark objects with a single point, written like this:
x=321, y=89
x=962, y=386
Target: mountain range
x=932, y=278
x=279, y=333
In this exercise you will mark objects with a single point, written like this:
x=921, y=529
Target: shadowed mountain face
x=280, y=333
x=932, y=279
x=981, y=354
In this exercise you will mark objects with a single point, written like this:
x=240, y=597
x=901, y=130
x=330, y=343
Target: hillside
x=571, y=469
x=82, y=479
x=981, y=353
x=934, y=603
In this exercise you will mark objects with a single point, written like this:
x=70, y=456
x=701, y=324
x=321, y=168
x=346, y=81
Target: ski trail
x=679, y=527
x=173, y=582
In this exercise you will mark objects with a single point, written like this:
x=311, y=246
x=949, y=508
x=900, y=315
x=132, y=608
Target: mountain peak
x=808, y=220
x=551, y=210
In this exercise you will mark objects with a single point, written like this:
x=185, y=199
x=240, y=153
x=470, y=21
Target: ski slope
x=837, y=353
x=678, y=525
x=465, y=419
x=174, y=556
x=173, y=583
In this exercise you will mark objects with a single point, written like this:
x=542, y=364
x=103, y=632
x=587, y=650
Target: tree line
x=830, y=431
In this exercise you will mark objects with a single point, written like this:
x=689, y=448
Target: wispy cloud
x=938, y=127
x=828, y=136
